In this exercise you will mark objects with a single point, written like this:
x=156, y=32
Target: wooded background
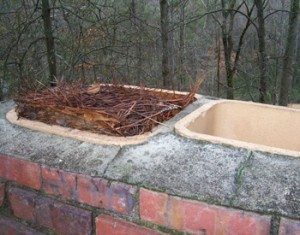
x=246, y=50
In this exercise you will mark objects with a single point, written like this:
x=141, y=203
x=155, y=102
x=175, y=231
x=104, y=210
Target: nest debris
x=113, y=110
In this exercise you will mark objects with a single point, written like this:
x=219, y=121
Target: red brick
x=107, y=225
x=2, y=193
x=23, y=172
x=22, y=204
x=153, y=206
x=59, y=183
x=196, y=217
x=44, y=216
x=97, y=192
x=62, y=218
x=289, y=227
x=121, y=198
x=240, y=222
x=191, y=216
x=11, y=227
x=92, y=191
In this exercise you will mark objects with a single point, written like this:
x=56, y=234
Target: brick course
x=94, y=191
x=107, y=225
x=23, y=172
x=155, y=207
x=194, y=217
x=59, y=217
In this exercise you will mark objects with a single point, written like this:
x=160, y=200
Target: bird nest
x=113, y=110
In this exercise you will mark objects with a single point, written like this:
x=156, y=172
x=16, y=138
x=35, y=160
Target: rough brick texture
x=107, y=225
x=59, y=183
x=289, y=227
x=59, y=217
x=196, y=217
x=98, y=192
x=11, y=227
x=23, y=172
x=62, y=218
x=2, y=192
x=22, y=203
x=153, y=206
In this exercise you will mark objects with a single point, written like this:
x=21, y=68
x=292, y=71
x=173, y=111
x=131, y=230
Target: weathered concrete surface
x=210, y=172
x=53, y=150
x=179, y=166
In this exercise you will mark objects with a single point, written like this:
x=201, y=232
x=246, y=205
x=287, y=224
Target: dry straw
x=103, y=108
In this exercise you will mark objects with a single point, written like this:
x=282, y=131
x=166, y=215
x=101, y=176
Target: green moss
x=239, y=176
x=240, y=172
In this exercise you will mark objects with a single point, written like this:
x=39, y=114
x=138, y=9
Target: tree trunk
x=262, y=51
x=286, y=76
x=165, y=43
x=135, y=23
x=228, y=67
x=228, y=45
x=49, y=42
x=296, y=75
x=218, y=51
x=171, y=47
x=230, y=91
x=181, y=44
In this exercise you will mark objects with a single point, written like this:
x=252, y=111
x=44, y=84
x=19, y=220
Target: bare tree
x=130, y=41
x=229, y=12
x=49, y=41
x=286, y=76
